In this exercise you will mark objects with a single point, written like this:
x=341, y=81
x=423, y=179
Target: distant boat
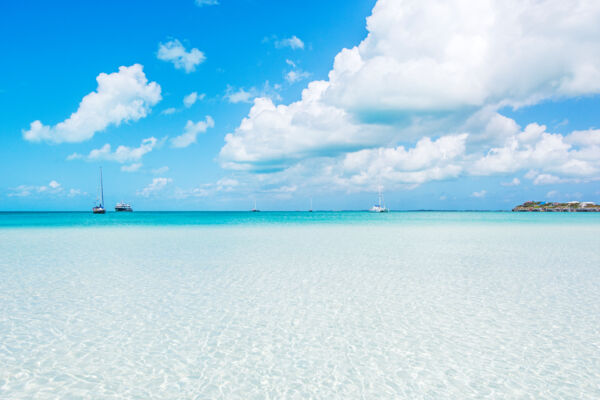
x=255, y=209
x=99, y=208
x=310, y=209
x=380, y=207
x=122, y=206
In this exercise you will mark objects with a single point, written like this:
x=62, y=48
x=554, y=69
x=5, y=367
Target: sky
x=212, y=105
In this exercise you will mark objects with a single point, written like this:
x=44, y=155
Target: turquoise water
x=299, y=305
x=81, y=219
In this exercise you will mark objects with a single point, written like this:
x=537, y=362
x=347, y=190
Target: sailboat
x=255, y=209
x=99, y=208
x=310, y=209
x=380, y=207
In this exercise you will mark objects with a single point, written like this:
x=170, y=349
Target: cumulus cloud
x=120, y=97
x=293, y=43
x=191, y=130
x=435, y=70
x=122, y=154
x=173, y=51
x=157, y=185
x=535, y=148
x=191, y=99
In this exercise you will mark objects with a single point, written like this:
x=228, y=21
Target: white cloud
x=53, y=188
x=160, y=170
x=479, y=195
x=75, y=193
x=246, y=96
x=552, y=194
x=534, y=148
x=546, y=179
x=239, y=96
x=209, y=189
x=122, y=154
x=190, y=132
x=131, y=167
x=514, y=182
x=191, y=99
x=435, y=70
x=157, y=185
x=201, y=3
x=293, y=43
x=169, y=111
x=173, y=51
x=120, y=97
x=296, y=75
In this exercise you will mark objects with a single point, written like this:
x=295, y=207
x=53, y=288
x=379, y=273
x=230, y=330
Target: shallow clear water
x=299, y=305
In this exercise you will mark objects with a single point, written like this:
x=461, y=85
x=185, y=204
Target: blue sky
x=441, y=115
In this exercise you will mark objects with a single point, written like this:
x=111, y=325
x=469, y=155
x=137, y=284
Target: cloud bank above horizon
x=421, y=97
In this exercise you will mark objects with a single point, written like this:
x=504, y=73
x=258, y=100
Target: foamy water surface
x=457, y=309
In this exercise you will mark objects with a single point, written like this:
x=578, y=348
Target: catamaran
x=255, y=209
x=380, y=207
x=99, y=208
x=122, y=206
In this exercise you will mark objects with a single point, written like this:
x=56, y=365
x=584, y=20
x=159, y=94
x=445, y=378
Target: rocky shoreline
x=571, y=206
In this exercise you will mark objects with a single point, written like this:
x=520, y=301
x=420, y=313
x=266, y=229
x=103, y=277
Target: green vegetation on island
x=571, y=206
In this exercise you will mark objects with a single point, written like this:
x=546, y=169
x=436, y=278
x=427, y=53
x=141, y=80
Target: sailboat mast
x=101, y=189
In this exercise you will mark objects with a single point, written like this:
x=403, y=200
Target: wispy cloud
x=201, y=3
x=131, y=167
x=52, y=188
x=296, y=75
x=191, y=99
x=122, y=154
x=169, y=111
x=242, y=95
x=480, y=194
x=293, y=42
x=160, y=170
x=157, y=185
x=514, y=182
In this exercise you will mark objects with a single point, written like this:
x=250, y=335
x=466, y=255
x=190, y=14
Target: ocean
x=322, y=305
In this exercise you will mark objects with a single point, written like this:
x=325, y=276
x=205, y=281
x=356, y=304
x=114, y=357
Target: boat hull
x=123, y=209
x=98, y=210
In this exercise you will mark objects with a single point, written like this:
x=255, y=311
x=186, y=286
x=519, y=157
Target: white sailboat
x=99, y=208
x=255, y=209
x=380, y=206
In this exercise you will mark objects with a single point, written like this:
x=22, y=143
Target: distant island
x=571, y=206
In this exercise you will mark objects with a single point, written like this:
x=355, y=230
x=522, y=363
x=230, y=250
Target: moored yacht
x=122, y=206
